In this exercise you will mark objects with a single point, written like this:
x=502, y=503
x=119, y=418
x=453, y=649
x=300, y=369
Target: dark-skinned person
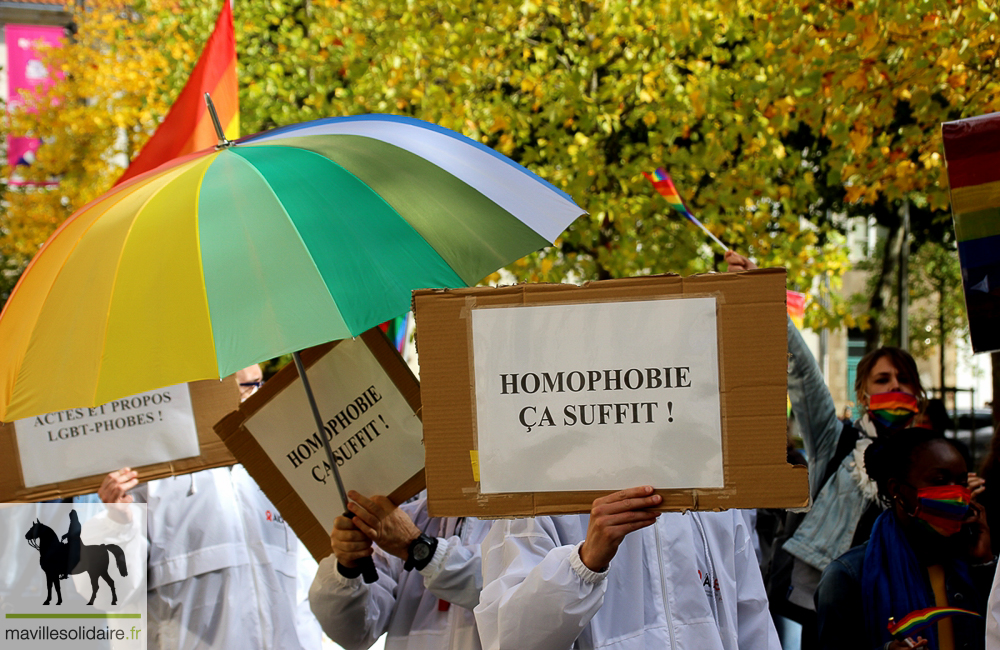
x=844, y=504
x=624, y=577
x=429, y=578
x=929, y=548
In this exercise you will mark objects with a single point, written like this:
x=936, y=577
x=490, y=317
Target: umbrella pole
x=366, y=564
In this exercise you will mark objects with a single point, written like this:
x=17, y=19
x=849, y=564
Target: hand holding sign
x=116, y=485
x=611, y=519
x=114, y=492
x=348, y=543
x=384, y=523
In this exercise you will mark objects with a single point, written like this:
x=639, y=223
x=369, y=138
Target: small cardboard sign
x=592, y=377
x=370, y=404
x=144, y=434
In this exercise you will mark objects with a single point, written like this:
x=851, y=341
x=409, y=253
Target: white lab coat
x=993, y=616
x=539, y=594
x=406, y=603
x=222, y=565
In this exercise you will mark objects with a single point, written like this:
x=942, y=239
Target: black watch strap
x=420, y=552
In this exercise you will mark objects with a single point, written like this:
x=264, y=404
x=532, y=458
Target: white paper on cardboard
x=152, y=427
x=375, y=435
x=598, y=396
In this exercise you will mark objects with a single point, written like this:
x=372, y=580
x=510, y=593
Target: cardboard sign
x=972, y=151
x=80, y=468
x=370, y=403
x=152, y=427
x=561, y=407
x=751, y=353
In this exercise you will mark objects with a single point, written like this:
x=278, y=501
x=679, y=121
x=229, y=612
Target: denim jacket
x=828, y=529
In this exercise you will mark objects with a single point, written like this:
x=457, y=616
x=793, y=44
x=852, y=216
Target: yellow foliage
x=856, y=80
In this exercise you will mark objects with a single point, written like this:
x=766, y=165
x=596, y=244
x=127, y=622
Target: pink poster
x=25, y=72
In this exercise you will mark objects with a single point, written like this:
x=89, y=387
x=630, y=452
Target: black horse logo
x=56, y=561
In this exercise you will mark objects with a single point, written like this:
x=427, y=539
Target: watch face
x=421, y=552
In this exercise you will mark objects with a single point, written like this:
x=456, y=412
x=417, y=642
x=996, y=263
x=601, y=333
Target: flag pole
x=708, y=232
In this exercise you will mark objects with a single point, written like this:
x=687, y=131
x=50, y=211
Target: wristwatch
x=420, y=552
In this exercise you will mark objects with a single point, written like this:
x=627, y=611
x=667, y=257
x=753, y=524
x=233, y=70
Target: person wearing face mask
x=844, y=504
x=844, y=497
x=929, y=548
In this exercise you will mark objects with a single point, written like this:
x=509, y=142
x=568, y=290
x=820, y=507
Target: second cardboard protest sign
x=369, y=402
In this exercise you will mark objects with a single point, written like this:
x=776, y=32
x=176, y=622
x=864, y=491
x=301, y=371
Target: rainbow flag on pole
x=972, y=152
x=188, y=126
x=662, y=183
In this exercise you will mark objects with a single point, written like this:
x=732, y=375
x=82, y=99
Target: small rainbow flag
x=661, y=181
x=665, y=186
x=921, y=618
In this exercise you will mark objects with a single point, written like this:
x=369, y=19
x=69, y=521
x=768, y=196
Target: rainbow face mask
x=943, y=507
x=893, y=410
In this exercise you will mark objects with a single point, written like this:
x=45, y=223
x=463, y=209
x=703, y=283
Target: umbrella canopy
x=233, y=255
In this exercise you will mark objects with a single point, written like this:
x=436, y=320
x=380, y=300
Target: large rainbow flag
x=188, y=125
x=972, y=151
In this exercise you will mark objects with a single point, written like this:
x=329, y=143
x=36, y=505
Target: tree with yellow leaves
x=117, y=73
x=870, y=84
x=589, y=95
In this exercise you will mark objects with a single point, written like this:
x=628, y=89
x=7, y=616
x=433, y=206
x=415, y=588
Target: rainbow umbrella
x=255, y=248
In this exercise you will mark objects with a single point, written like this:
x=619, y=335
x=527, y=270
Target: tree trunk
x=876, y=302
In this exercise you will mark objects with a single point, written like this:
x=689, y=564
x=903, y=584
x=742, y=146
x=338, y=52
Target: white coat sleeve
x=455, y=573
x=993, y=616
x=537, y=593
x=755, y=627
x=354, y=614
